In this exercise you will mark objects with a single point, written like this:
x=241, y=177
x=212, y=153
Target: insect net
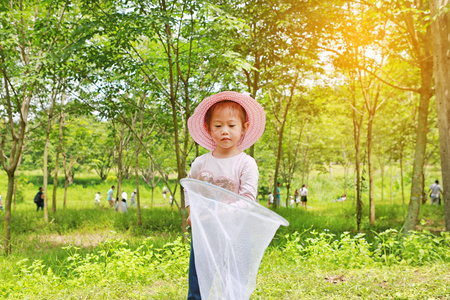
x=229, y=234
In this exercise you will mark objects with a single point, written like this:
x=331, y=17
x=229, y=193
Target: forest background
x=99, y=93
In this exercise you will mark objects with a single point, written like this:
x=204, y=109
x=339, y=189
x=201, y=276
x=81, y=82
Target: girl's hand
x=189, y=221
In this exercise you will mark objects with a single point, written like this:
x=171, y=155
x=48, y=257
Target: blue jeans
x=194, y=288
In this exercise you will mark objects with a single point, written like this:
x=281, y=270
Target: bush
x=115, y=263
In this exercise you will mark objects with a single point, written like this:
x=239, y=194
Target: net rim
x=275, y=217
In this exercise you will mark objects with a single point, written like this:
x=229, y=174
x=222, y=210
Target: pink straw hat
x=255, y=116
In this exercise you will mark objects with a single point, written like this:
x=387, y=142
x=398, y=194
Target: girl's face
x=226, y=129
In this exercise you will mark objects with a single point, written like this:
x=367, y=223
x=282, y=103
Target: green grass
x=88, y=252
x=304, y=268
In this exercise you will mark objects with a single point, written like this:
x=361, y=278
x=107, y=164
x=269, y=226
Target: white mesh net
x=230, y=235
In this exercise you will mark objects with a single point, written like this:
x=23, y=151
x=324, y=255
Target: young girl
x=270, y=201
x=291, y=201
x=226, y=124
x=97, y=198
x=297, y=198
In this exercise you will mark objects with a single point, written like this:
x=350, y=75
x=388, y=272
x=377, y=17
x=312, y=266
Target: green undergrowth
x=163, y=222
x=341, y=217
x=323, y=265
x=93, y=219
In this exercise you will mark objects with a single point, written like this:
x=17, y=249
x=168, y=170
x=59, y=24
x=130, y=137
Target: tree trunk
x=180, y=152
x=16, y=126
x=251, y=151
x=47, y=140
x=153, y=190
x=422, y=188
x=391, y=189
x=280, y=131
x=370, y=163
x=15, y=192
x=288, y=187
x=277, y=166
x=55, y=181
x=66, y=182
x=66, y=175
x=358, y=187
x=382, y=179
x=441, y=45
x=136, y=170
x=357, y=125
x=401, y=176
x=421, y=143
x=253, y=87
x=47, y=136
x=345, y=179
x=7, y=219
x=65, y=179
x=354, y=186
x=58, y=152
x=345, y=173
x=119, y=171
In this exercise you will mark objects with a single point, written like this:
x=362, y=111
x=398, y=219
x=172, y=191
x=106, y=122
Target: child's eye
x=217, y=126
x=232, y=125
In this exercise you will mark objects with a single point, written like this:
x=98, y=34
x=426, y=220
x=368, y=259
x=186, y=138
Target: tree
x=274, y=26
x=149, y=176
x=48, y=126
x=121, y=138
x=372, y=104
x=440, y=36
x=59, y=150
x=304, y=117
x=407, y=38
x=80, y=138
x=29, y=35
x=280, y=104
x=177, y=46
x=101, y=156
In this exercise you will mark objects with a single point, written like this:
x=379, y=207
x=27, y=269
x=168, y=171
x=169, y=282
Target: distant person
x=124, y=197
x=424, y=198
x=436, y=192
x=110, y=196
x=270, y=199
x=170, y=199
x=304, y=195
x=278, y=194
x=341, y=198
x=1, y=203
x=123, y=205
x=39, y=200
x=97, y=199
x=164, y=193
x=133, y=198
x=291, y=201
x=297, y=197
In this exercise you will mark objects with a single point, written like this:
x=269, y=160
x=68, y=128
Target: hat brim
x=256, y=117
